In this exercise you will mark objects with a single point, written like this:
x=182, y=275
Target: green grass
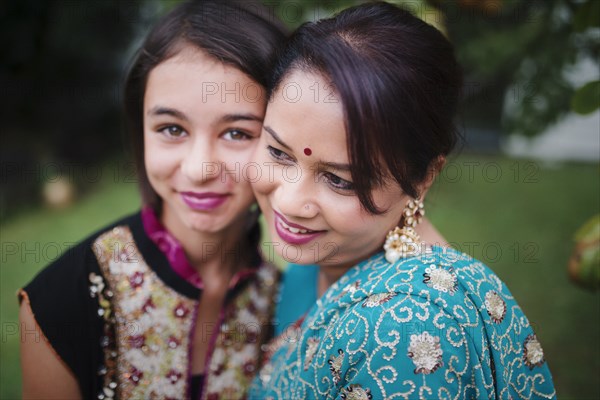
x=516, y=216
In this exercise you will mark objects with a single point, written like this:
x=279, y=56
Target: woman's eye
x=278, y=154
x=338, y=183
x=172, y=131
x=236, y=135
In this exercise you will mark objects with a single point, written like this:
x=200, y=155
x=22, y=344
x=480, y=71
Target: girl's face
x=307, y=198
x=202, y=120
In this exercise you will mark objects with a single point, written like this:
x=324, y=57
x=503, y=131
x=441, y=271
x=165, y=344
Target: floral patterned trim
x=247, y=325
x=149, y=318
x=108, y=344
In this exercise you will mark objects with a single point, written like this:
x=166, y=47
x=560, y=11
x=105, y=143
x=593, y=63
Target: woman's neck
x=329, y=274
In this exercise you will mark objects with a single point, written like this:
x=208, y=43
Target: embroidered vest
x=149, y=328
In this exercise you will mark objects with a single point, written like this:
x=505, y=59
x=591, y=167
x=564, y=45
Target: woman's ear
x=433, y=171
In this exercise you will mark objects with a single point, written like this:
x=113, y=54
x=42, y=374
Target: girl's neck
x=217, y=256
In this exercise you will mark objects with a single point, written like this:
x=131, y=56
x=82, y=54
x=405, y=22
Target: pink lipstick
x=293, y=233
x=205, y=201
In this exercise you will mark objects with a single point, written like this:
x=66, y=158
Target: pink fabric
x=170, y=246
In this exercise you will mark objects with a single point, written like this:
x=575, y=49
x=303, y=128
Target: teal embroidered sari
x=438, y=326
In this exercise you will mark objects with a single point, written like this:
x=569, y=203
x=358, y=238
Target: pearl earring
x=405, y=242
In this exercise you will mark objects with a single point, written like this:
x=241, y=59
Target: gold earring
x=405, y=242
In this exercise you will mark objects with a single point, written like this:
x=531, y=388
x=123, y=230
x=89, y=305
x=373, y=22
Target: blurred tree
x=62, y=64
x=516, y=54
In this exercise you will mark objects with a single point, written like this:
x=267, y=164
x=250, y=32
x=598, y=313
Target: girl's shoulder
x=77, y=261
x=64, y=307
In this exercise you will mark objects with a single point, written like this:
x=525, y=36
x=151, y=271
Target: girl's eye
x=278, y=154
x=236, y=135
x=338, y=183
x=172, y=131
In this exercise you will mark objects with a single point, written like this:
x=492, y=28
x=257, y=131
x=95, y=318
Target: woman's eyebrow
x=334, y=165
x=276, y=137
x=321, y=164
x=160, y=110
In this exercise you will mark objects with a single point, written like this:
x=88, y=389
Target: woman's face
x=313, y=214
x=202, y=120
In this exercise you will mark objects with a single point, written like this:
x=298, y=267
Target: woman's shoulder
x=442, y=290
x=440, y=273
x=443, y=315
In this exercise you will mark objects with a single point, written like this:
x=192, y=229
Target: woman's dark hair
x=399, y=83
x=241, y=34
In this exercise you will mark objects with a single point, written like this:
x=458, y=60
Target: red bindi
x=307, y=151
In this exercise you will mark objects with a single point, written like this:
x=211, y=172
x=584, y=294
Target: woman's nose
x=296, y=196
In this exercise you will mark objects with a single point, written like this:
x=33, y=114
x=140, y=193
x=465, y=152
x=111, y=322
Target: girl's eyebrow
x=160, y=110
x=240, y=117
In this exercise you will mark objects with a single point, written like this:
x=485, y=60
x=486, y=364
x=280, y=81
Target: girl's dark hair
x=399, y=83
x=241, y=34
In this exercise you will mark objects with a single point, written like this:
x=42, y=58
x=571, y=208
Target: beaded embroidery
x=398, y=335
x=148, y=324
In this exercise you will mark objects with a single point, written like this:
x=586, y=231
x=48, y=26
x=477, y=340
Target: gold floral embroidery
x=150, y=317
x=237, y=354
x=533, y=354
x=153, y=324
x=495, y=306
x=356, y=392
x=311, y=348
x=378, y=299
x=425, y=352
x=335, y=365
x=99, y=290
x=441, y=279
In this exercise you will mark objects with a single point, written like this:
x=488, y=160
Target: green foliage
x=586, y=99
x=518, y=52
x=587, y=16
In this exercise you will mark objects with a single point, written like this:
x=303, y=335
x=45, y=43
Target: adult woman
x=174, y=301
x=359, y=123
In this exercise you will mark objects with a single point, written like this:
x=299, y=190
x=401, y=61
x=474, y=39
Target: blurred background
x=522, y=194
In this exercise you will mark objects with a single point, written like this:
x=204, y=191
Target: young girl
x=359, y=122
x=174, y=301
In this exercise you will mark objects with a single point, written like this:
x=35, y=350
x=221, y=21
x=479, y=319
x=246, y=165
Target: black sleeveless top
x=112, y=306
